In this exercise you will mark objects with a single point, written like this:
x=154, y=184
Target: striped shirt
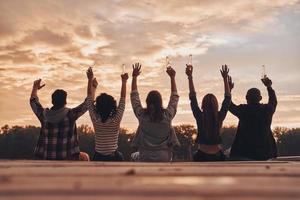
x=106, y=133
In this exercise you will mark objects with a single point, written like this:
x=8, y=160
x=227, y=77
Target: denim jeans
x=200, y=156
x=116, y=156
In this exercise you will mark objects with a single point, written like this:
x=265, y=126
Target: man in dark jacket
x=254, y=139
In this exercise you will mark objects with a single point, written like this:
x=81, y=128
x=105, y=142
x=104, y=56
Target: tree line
x=18, y=142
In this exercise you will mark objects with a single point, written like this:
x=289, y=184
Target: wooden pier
x=38, y=180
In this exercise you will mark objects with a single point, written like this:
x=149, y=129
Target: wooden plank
x=103, y=180
x=105, y=169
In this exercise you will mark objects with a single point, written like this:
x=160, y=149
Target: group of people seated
x=155, y=138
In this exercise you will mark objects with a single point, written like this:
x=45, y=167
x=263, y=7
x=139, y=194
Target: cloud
x=83, y=31
x=45, y=36
x=58, y=40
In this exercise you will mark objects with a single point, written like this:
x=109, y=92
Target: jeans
x=200, y=156
x=116, y=156
x=164, y=155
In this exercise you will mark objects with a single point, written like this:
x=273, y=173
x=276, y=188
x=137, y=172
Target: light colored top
x=106, y=133
x=155, y=139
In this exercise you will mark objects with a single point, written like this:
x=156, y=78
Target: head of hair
x=253, y=96
x=154, y=106
x=211, y=123
x=106, y=106
x=59, y=98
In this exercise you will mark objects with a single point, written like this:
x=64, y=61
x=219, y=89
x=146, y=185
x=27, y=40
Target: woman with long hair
x=155, y=136
x=106, y=117
x=209, y=119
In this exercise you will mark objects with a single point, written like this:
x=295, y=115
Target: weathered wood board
x=105, y=180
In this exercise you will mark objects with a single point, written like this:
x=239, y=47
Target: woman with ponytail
x=209, y=119
x=155, y=136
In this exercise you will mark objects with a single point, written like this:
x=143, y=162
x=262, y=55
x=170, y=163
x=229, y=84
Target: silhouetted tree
x=288, y=142
x=18, y=142
x=228, y=135
x=186, y=135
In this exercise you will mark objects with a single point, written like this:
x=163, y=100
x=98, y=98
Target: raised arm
x=171, y=72
x=91, y=89
x=174, y=98
x=124, y=78
x=272, y=103
x=189, y=73
x=193, y=98
x=227, y=90
x=36, y=86
x=224, y=72
x=36, y=107
x=136, y=71
x=233, y=108
x=134, y=96
x=92, y=83
x=121, y=106
x=79, y=110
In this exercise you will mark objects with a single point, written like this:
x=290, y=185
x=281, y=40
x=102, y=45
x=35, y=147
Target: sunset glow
x=58, y=40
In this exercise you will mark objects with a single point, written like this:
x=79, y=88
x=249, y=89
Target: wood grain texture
x=104, y=180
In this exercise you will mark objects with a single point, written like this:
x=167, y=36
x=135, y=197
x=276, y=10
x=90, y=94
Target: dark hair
x=106, y=106
x=154, y=106
x=211, y=122
x=253, y=96
x=59, y=98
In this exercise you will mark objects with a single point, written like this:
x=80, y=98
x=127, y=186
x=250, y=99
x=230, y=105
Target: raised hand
x=189, y=70
x=94, y=83
x=136, y=69
x=224, y=71
x=89, y=73
x=37, y=84
x=231, y=84
x=124, y=77
x=267, y=82
x=171, y=72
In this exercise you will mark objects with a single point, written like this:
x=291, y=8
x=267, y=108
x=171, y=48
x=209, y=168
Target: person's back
x=155, y=136
x=154, y=132
x=209, y=119
x=106, y=117
x=154, y=139
x=58, y=138
x=107, y=134
x=254, y=139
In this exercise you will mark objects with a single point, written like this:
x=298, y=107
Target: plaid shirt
x=58, y=141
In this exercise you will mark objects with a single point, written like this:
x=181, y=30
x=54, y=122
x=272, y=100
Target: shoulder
x=243, y=105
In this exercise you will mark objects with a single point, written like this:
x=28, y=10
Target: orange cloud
x=58, y=40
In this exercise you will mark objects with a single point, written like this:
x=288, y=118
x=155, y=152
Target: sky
x=57, y=40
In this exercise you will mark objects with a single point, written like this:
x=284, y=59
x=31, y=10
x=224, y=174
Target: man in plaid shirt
x=58, y=138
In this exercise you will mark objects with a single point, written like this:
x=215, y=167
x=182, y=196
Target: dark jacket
x=254, y=138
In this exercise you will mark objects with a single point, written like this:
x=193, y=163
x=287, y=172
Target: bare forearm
x=91, y=90
x=226, y=86
x=191, y=84
x=173, y=85
x=123, y=89
x=134, y=84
